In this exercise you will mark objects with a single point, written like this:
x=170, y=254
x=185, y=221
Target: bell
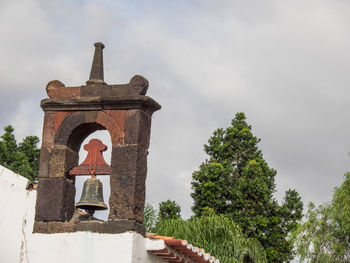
x=92, y=197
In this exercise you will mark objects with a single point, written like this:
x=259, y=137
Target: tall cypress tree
x=238, y=182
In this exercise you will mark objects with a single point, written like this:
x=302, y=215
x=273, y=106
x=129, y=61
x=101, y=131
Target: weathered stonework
x=110, y=227
x=72, y=114
x=129, y=168
x=62, y=160
x=56, y=88
x=55, y=200
x=136, y=128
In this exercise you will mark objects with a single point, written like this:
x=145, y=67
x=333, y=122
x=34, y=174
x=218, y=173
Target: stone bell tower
x=72, y=114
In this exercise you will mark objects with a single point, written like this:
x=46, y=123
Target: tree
x=150, y=218
x=217, y=235
x=237, y=181
x=325, y=235
x=169, y=210
x=8, y=146
x=23, y=158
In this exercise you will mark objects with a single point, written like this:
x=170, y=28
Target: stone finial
x=96, y=74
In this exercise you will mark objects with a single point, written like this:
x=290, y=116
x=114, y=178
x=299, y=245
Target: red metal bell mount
x=94, y=163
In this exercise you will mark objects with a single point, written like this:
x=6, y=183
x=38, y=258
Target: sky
x=285, y=64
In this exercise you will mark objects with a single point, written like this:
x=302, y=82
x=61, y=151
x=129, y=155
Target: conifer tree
x=23, y=158
x=237, y=181
x=169, y=210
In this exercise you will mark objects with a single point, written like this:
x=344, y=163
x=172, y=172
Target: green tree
x=237, y=181
x=169, y=210
x=23, y=158
x=217, y=235
x=8, y=147
x=324, y=237
x=150, y=217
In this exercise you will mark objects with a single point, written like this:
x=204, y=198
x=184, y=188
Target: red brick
x=59, y=117
x=114, y=122
x=118, y=116
x=49, y=132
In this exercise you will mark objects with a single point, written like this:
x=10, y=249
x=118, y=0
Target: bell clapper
x=90, y=212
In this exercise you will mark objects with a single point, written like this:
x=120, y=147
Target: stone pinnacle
x=96, y=74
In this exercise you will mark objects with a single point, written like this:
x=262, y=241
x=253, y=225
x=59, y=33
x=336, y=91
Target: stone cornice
x=100, y=103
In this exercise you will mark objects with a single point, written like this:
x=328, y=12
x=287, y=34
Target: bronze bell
x=92, y=196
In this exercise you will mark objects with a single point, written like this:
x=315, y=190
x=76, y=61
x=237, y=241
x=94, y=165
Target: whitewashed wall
x=16, y=216
x=19, y=244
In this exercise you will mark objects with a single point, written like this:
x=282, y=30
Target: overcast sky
x=285, y=64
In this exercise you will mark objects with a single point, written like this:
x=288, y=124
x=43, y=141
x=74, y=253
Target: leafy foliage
x=23, y=158
x=169, y=210
x=149, y=217
x=325, y=235
x=237, y=181
x=218, y=235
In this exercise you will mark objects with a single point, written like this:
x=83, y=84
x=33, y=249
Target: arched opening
x=80, y=133
x=75, y=131
x=104, y=136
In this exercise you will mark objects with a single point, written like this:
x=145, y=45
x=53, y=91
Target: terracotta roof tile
x=178, y=250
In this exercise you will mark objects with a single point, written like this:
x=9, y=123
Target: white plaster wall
x=140, y=247
x=154, y=245
x=81, y=247
x=16, y=216
x=18, y=244
x=87, y=247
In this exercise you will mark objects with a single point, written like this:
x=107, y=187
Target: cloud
x=284, y=64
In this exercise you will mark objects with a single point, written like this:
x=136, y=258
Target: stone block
x=56, y=89
x=49, y=132
x=55, y=200
x=59, y=118
x=62, y=160
x=90, y=116
x=52, y=87
x=93, y=90
x=109, y=227
x=137, y=128
x=114, y=122
x=129, y=170
x=106, y=121
x=138, y=85
x=67, y=133
x=70, y=200
x=44, y=165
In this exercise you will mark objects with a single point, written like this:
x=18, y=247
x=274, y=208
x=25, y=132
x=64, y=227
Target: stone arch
x=80, y=133
x=75, y=127
x=114, y=122
x=71, y=129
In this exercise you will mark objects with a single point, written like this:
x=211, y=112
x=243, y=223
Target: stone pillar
x=129, y=168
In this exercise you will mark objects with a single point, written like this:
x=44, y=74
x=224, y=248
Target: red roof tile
x=178, y=250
